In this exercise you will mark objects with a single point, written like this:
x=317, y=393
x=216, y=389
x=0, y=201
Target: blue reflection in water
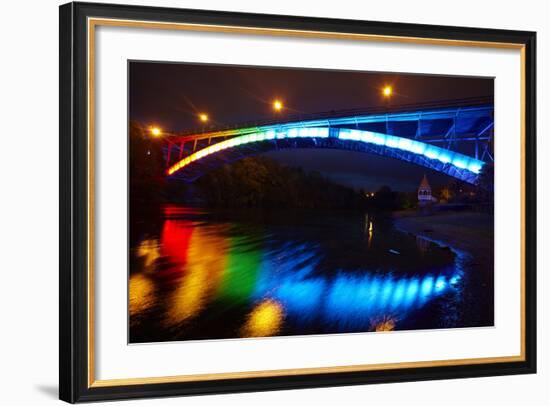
x=455, y=279
x=348, y=300
x=285, y=276
x=440, y=284
x=412, y=290
x=301, y=298
x=427, y=286
x=355, y=301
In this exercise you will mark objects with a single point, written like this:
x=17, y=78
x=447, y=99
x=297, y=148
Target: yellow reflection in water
x=264, y=320
x=149, y=251
x=370, y=234
x=387, y=324
x=141, y=294
x=201, y=277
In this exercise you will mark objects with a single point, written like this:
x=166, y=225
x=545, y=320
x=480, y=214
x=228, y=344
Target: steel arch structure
x=456, y=140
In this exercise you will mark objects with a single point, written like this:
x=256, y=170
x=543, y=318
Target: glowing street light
x=277, y=105
x=203, y=117
x=387, y=91
x=155, y=131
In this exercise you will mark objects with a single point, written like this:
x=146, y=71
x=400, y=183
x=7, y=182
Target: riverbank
x=471, y=232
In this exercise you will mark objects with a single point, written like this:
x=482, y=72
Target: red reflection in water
x=174, y=242
x=194, y=288
x=171, y=212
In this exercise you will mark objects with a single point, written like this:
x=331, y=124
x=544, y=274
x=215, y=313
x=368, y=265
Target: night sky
x=171, y=96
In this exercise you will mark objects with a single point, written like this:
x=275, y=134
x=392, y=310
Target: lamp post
x=387, y=92
x=157, y=132
x=203, y=118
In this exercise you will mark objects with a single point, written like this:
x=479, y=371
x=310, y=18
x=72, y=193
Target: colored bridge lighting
x=392, y=142
x=203, y=117
x=155, y=131
x=474, y=167
x=277, y=105
x=387, y=91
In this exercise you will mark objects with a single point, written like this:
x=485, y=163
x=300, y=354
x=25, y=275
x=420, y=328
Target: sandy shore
x=467, y=231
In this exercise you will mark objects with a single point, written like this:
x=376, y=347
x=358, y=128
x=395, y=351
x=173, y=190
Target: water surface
x=200, y=274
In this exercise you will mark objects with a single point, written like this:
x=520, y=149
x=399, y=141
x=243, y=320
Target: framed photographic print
x=255, y=202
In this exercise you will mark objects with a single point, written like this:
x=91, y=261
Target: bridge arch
x=452, y=163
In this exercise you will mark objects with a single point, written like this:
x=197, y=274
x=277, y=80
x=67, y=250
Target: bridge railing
x=403, y=108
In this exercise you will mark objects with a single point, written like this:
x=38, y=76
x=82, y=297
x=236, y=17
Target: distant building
x=425, y=193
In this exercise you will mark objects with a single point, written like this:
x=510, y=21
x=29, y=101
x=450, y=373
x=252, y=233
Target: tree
x=262, y=182
x=386, y=199
x=146, y=166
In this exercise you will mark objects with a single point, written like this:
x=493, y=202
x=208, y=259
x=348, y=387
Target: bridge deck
x=456, y=140
x=462, y=109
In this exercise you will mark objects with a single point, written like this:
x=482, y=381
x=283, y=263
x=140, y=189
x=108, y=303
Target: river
x=203, y=274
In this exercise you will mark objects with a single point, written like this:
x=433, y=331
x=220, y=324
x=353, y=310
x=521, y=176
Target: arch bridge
x=454, y=138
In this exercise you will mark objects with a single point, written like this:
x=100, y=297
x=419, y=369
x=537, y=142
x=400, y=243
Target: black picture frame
x=74, y=200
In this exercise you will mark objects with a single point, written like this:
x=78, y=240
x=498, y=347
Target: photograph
x=274, y=203
x=286, y=201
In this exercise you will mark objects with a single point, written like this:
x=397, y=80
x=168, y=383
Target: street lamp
x=155, y=131
x=387, y=91
x=203, y=117
x=277, y=105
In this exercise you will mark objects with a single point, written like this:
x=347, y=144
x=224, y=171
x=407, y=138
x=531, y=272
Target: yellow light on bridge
x=277, y=105
x=203, y=117
x=155, y=131
x=387, y=91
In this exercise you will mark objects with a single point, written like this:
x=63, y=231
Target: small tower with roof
x=424, y=192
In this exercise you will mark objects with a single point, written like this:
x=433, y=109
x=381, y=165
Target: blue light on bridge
x=312, y=132
x=445, y=156
x=429, y=151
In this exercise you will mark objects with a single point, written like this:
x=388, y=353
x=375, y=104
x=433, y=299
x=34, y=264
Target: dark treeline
x=262, y=182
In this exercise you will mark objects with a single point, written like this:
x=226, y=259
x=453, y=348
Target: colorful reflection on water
x=264, y=320
x=198, y=276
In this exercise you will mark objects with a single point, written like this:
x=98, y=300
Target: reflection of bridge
x=452, y=138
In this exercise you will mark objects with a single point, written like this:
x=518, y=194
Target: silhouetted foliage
x=387, y=199
x=146, y=166
x=262, y=182
x=486, y=183
x=479, y=195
